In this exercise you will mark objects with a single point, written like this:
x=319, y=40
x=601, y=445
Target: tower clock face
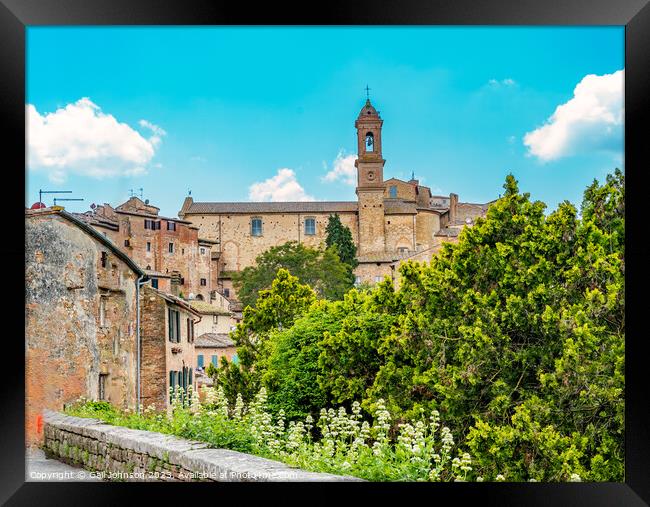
x=371, y=175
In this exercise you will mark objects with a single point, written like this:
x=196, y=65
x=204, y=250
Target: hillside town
x=123, y=303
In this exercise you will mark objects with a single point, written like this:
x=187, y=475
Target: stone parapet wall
x=137, y=455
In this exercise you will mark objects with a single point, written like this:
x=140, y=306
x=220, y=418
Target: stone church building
x=391, y=220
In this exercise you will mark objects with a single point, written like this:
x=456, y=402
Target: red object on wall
x=38, y=205
x=39, y=423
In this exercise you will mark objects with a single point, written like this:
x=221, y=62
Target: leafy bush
x=423, y=451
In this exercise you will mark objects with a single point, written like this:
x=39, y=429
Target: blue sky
x=265, y=113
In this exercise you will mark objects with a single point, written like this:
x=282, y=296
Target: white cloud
x=496, y=83
x=80, y=139
x=343, y=170
x=590, y=121
x=155, y=139
x=281, y=187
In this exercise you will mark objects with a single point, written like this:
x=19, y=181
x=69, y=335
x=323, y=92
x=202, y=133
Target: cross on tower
x=367, y=92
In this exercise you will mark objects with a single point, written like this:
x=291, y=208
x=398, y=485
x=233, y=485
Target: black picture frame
x=16, y=15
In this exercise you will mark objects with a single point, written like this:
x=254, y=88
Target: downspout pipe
x=138, y=284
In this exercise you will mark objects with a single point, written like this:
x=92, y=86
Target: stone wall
x=125, y=454
x=239, y=248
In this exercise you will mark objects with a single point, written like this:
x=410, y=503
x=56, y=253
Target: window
x=148, y=246
x=202, y=250
x=256, y=227
x=174, y=325
x=127, y=242
x=102, y=386
x=190, y=330
x=393, y=191
x=171, y=248
x=310, y=226
x=403, y=250
x=215, y=361
x=235, y=359
x=154, y=283
x=151, y=224
x=204, y=282
x=215, y=319
x=104, y=259
x=378, y=279
x=102, y=311
x=226, y=292
x=172, y=385
x=171, y=226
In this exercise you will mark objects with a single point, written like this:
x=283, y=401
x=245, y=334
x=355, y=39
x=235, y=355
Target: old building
x=167, y=333
x=391, y=220
x=173, y=255
x=81, y=314
x=211, y=347
x=215, y=317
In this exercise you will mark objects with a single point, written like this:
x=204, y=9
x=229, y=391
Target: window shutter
x=178, y=327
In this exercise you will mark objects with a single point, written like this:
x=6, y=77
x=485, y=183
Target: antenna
x=41, y=192
x=71, y=199
x=133, y=193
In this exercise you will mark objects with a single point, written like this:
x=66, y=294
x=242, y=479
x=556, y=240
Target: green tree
x=277, y=307
x=340, y=236
x=515, y=334
x=320, y=269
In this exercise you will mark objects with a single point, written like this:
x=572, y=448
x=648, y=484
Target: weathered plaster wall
x=66, y=345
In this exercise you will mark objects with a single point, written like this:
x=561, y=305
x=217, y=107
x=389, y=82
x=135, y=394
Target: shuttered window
x=173, y=325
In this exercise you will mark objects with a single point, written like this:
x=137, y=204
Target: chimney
x=453, y=206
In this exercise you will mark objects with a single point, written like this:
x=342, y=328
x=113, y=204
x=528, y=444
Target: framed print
x=379, y=249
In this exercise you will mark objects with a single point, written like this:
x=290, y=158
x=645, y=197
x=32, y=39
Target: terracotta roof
x=232, y=208
x=174, y=300
x=393, y=207
x=220, y=340
x=91, y=218
x=449, y=232
x=207, y=309
x=377, y=257
x=156, y=274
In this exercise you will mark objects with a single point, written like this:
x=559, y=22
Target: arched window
x=370, y=142
x=199, y=297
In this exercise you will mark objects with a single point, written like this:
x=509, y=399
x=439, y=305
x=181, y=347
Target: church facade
x=391, y=221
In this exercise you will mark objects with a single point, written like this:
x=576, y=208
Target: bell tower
x=370, y=180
